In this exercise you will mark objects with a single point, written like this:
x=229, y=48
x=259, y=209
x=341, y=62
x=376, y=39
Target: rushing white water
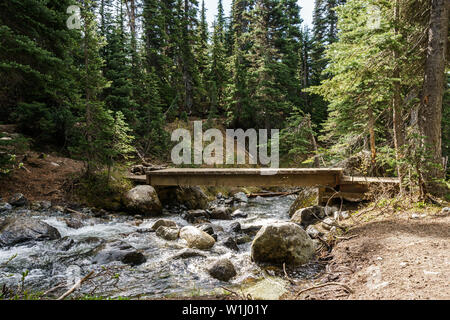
x=50, y=262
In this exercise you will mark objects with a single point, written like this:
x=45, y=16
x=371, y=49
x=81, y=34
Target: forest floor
x=42, y=177
x=399, y=255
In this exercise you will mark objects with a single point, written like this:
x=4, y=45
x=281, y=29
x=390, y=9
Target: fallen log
x=272, y=194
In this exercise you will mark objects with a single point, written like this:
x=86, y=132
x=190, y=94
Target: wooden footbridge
x=331, y=182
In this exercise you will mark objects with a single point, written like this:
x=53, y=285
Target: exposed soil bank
x=394, y=257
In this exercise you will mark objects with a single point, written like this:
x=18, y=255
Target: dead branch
x=350, y=290
x=346, y=238
x=287, y=276
x=59, y=285
x=25, y=168
x=240, y=296
x=76, y=286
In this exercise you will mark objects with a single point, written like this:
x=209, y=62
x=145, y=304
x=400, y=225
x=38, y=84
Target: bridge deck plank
x=244, y=171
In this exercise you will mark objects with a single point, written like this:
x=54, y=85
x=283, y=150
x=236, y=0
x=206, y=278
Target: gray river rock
x=23, y=229
x=282, y=242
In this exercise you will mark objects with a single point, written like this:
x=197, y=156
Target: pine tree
x=319, y=35
x=160, y=24
x=324, y=34
x=240, y=112
x=37, y=71
x=203, y=61
x=288, y=26
x=187, y=43
x=218, y=73
x=220, y=21
x=266, y=94
x=101, y=135
x=373, y=70
x=153, y=138
x=118, y=96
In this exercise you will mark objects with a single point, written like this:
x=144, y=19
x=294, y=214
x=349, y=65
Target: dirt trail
x=392, y=258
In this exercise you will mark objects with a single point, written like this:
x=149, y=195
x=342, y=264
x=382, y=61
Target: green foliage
x=36, y=68
x=102, y=191
x=295, y=138
x=10, y=146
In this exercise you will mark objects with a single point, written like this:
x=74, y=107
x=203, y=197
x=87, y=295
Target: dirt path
x=392, y=258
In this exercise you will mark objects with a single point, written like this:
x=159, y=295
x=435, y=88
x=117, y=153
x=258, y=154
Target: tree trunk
x=373, y=149
x=399, y=129
x=131, y=11
x=88, y=111
x=430, y=113
x=314, y=144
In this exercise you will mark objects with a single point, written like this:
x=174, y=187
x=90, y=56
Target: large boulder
x=196, y=238
x=307, y=197
x=308, y=216
x=118, y=251
x=18, y=230
x=191, y=197
x=222, y=270
x=143, y=200
x=280, y=243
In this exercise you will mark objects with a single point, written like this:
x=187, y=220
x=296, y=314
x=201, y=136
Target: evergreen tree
x=288, y=33
x=101, y=135
x=267, y=95
x=203, y=60
x=218, y=73
x=118, y=70
x=187, y=63
x=37, y=71
x=220, y=21
x=369, y=76
x=324, y=34
x=153, y=138
x=240, y=112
